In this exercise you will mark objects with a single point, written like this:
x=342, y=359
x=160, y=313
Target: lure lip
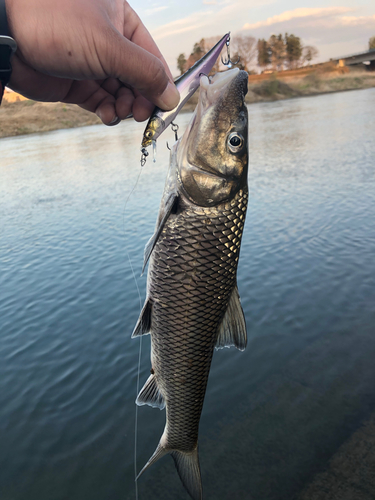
x=186, y=84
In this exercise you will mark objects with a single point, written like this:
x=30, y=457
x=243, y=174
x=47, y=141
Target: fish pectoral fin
x=151, y=395
x=232, y=331
x=170, y=206
x=143, y=325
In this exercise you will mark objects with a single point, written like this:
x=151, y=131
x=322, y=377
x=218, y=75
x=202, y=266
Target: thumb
x=136, y=67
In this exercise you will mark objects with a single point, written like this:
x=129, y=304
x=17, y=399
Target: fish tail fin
x=187, y=465
x=158, y=453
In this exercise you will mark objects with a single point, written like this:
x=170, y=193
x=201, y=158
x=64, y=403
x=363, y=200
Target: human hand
x=94, y=53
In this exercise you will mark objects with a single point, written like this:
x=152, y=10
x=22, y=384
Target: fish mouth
x=212, y=87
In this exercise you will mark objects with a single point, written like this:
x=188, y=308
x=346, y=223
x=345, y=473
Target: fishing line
x=140, y=338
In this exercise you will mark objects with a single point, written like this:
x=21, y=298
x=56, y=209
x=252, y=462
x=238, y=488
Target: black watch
x=7, y=46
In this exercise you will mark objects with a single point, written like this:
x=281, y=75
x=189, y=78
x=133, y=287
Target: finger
x=140, y=69
x=92, y=96
x=142, y=108
x=124, y=102
x=136, y=31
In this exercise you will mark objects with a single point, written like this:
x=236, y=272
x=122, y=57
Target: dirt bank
x=18, y=117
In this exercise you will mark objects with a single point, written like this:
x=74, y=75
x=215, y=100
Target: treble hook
x=228, y=61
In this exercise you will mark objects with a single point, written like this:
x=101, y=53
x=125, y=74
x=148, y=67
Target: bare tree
x=245, y=46
x=371, y=43
x=309, y=53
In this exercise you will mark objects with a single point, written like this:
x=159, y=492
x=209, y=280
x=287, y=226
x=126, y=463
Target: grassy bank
x=26, y=117
x=315, y=83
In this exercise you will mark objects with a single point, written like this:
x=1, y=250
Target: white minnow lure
x=186, y=84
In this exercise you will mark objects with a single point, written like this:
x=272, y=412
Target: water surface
x=75, y=213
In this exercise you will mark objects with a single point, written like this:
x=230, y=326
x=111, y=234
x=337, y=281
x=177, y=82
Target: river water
x=75, y=213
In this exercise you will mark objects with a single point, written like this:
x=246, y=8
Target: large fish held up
x=192, y=303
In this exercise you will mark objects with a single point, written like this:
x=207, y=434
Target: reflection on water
x=71, y=231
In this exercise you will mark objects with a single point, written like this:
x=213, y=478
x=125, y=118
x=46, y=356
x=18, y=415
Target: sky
x=335, y=27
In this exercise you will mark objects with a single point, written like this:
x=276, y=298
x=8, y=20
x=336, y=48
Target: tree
x=309, y=53
x=245, y=47
x=371, y=43
x=181, y=63
x=198, y=52
x=293, y=50
x=278, y=51
x=263, y=53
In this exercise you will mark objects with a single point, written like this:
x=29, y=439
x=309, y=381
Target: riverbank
x=19, y=117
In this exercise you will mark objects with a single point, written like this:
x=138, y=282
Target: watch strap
x=7, y=47
x=4, y=28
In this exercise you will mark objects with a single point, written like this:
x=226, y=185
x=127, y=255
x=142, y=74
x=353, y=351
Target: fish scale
x=187, y=328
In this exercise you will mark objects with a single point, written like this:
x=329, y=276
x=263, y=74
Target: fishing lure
x=186, y=84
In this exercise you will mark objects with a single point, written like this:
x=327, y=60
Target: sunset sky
x=335, y=27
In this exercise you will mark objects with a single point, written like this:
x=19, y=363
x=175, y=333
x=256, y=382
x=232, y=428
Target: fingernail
x=115, y=121
x=170, y=97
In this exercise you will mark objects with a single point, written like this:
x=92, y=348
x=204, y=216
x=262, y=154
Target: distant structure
x=366, y=59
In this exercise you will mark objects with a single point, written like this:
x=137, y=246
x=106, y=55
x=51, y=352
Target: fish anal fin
x=143, y=325
x=232, y=330
x=170, y=206
x=151, y=395
x=158, y=453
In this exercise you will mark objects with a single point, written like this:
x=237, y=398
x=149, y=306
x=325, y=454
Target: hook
x=174, y=128
x=168, y=145
x=228, y=61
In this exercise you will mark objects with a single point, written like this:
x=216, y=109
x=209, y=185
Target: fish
x=186, y=84
x=192, y=303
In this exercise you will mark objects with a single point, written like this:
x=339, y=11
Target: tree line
x=277, y=53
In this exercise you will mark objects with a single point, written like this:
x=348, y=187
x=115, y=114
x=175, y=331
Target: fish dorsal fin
x=151, y=395
x=232, y=330
x=170, y=206
x=143, y=325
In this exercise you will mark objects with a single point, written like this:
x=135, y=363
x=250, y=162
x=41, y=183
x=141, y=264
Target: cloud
x=299, y=13
x=193, y=22
x=335, y=30
x=150, y=12
x=328, y=28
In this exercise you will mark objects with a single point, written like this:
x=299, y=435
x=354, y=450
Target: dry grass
x=27, y=117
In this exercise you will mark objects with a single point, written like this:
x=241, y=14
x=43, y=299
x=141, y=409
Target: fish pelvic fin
x=187, y=465
x=232, y=331
x=143, y=325
x=151, y=395
x=158, y=453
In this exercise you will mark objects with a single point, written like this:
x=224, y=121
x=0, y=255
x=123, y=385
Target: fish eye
x=149, y=134
x=235, y=142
